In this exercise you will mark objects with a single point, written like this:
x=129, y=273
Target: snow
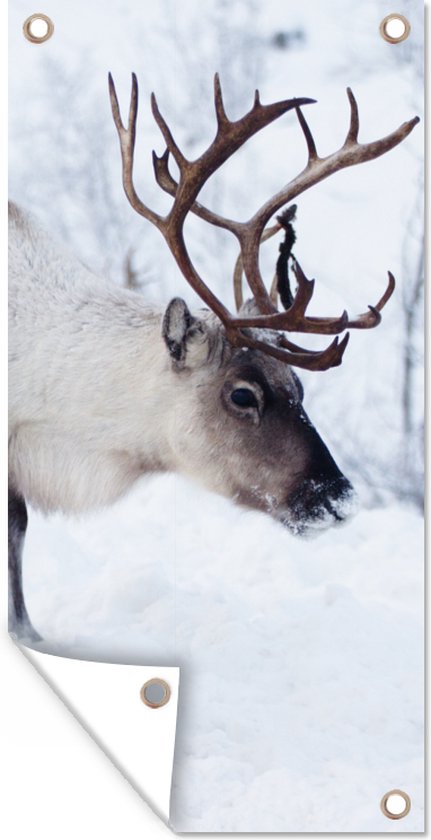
x=301, y=661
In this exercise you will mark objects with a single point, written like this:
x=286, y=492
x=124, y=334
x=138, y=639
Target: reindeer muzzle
x=318, y=503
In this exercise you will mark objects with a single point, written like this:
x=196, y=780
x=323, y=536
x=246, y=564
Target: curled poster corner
x=105, y=699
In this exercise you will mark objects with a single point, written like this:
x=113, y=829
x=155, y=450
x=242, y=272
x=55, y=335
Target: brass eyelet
x=159, y=689
x=404, y=26
x=28, y=28
x=386, y=809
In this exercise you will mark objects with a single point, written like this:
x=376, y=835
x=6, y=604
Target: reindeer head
x=242, y=430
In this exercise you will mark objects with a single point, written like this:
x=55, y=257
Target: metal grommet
x=394, y=809
x=395, y=28
x=155, y=693
x=43, y=23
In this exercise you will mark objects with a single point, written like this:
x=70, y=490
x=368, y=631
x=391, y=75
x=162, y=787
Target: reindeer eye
x=244, y=397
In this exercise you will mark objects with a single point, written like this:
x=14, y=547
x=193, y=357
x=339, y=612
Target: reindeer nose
x=320, y=501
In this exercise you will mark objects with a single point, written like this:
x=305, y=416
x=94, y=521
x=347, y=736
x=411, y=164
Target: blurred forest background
x=65, y=168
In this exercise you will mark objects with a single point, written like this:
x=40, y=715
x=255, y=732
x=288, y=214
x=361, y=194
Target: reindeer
x=105, y=388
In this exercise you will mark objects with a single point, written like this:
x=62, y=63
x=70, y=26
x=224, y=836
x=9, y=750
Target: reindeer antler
x=230, y=136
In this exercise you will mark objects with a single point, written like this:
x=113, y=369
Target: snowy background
x=324, y=636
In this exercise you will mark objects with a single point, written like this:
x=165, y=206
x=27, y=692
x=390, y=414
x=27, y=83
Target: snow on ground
x=301, y=660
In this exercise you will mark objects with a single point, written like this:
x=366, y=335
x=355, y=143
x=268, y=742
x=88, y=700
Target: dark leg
x=19, y=623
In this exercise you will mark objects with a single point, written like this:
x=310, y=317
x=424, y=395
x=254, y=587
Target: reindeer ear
x=176, y=323
x=184, y=335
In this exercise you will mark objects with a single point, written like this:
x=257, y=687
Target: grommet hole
x=396, y=804
x=38, y=28
x=395, y=28
x=155, y=693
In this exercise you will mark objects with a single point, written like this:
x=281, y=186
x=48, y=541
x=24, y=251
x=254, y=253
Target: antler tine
x=388, y=293
x=222, y=118
x=311, y=146
x=352, y=135
x=304, y=292
x=372, y=318
x=133, y=110
x=167, y=134
x=127, y=146
x=161, y=172
x=114, y=104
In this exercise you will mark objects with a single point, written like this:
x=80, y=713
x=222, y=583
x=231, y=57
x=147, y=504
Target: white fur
x=91, y=380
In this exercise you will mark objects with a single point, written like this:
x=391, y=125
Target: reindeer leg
x=20, y=625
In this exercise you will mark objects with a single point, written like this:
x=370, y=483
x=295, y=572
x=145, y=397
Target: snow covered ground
x=301, y=661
